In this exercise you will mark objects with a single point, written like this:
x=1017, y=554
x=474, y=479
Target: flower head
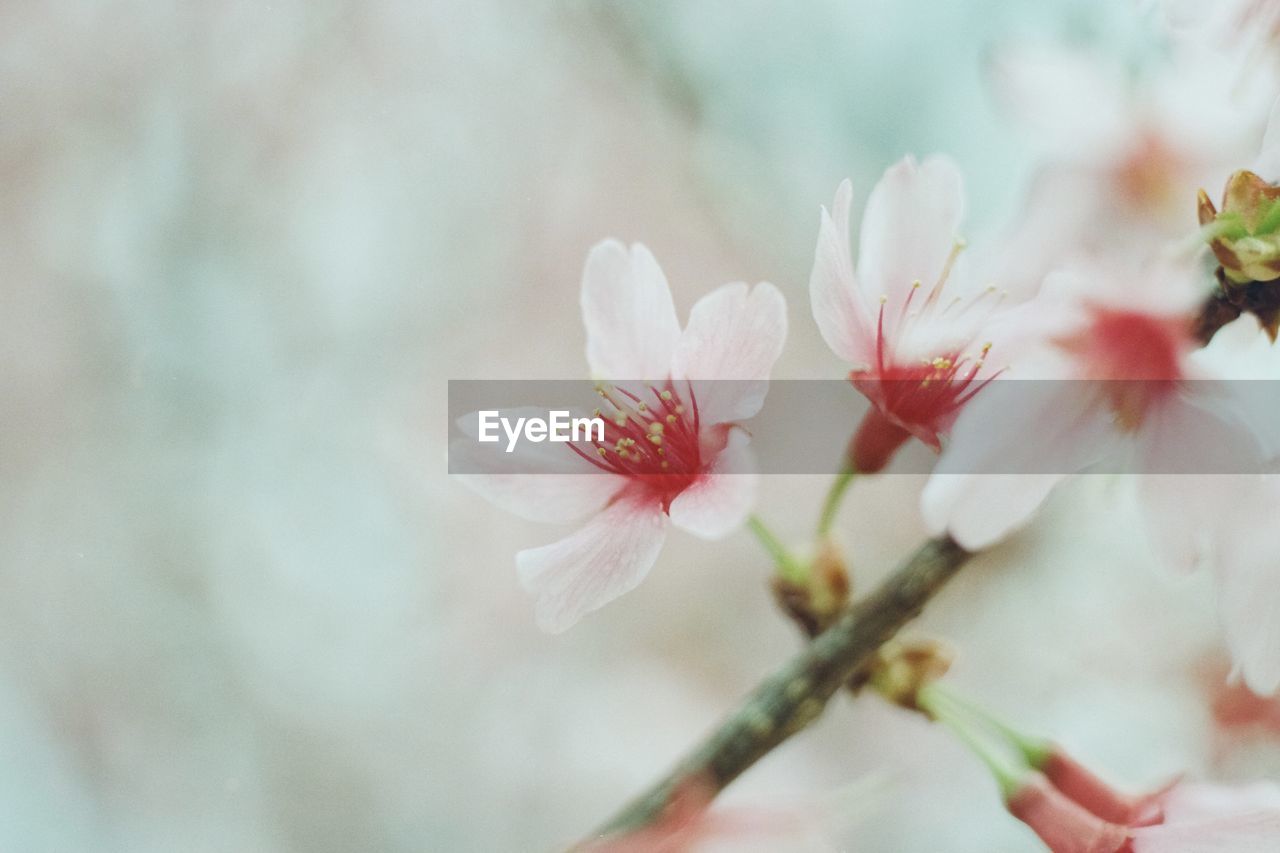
x=1245, y=234
x=673, y=450
x=907, y=320
x=1073, y=811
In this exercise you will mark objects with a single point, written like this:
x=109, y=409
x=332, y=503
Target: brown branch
x=796, y=695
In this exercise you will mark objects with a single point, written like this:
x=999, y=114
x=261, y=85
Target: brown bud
x=1245, y=234
x=904, y=667
x=815, y=602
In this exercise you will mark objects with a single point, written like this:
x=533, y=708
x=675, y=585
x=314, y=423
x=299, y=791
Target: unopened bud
x=904, y=667
x=1245, y=234
x=821, y=594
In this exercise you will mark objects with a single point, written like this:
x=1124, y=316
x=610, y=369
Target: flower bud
x=815, y=601
x=903, y=667
x=1245, y=234
x=1064, y=826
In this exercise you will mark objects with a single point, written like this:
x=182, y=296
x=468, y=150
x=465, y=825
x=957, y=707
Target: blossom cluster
x=1123, y=287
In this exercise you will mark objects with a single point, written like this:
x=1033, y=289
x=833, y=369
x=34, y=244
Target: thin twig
x=795, y=695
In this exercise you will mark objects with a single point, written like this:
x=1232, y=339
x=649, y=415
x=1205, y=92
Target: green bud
x=1245, y=234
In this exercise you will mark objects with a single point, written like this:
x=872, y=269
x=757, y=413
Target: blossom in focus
x=673, y=449
x=908, y=319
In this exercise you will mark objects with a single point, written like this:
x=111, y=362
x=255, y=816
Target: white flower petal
x=605, y=559
x=1007, y=450
x=839, y=307
x=537, y=481
x=909, y=228
x=734, y=333
x=632, y=328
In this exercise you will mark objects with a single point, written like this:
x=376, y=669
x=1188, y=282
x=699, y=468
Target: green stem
x=955, y=716
x=835, y=495
x=1034, y=750
x=788, y=567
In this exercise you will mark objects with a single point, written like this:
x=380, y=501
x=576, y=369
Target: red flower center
x=651, y=436
x=1138, y=356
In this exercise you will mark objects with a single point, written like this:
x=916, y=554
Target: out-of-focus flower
x=688, y=823
x=1180, y=819
x=908, y=320
x=1124, y=153
x=1120, y=365
x=673, y=449
x=1244, y=31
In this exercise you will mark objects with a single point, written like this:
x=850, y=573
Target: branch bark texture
x=796, y=695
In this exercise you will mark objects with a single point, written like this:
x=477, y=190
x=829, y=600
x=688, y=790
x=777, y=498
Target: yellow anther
x=656, y=426
x=666, y=395
x=656, y=439
x=671, y=419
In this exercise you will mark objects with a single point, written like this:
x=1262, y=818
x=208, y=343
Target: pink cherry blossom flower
x=1075, y=812
x=907, y=320
x=1120, y=363
x=673, y=451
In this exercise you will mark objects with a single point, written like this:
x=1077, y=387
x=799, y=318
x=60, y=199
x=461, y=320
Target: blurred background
x=245, y=244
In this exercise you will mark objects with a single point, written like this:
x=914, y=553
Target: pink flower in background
x=908, y=320
x=1183, y=818
x=688, y=823
x=1123, y=153
x=1118, y=365
x=673, y=449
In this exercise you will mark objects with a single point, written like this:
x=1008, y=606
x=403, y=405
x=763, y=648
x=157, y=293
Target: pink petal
x=719, y=501
x=1252, y=832
x=632, y=328
x=605, y=559
x=539, y=482
x=734, y=333
x=910, y=227
x=839, y=307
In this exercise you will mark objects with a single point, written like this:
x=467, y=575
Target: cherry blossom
x=673, y=452
x=908, y=319
x=1181, y=818
x=1126, y=387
